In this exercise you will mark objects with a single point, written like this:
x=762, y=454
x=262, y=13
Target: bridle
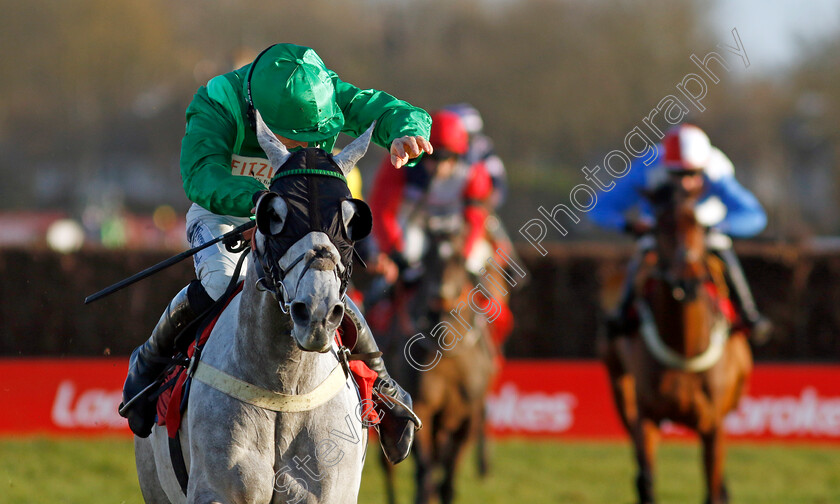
x=670, y=204
x=271, y=277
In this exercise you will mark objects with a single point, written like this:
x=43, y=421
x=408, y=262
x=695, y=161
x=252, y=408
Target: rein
x=253, y=394
x=678, y=285
x=274, y=282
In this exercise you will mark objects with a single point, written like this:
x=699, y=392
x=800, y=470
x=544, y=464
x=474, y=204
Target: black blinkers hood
x=313, y=187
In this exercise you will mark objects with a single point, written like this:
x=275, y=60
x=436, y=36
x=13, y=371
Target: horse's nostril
x=336, y=314
x=300, y=313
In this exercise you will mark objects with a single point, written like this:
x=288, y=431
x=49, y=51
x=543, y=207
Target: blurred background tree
x=94, y=92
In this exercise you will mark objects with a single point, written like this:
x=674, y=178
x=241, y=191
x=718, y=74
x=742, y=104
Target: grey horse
x=263, y=356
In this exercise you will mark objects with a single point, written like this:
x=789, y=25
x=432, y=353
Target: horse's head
x=306, y=228
x=680, y=238
x=445, y=277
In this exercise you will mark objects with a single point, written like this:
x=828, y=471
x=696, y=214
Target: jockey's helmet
x=687, y=149
x=295, y=94
x=471, y=118
x=448, y=136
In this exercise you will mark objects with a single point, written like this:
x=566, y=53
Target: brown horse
x=684, y=365
x=446, y=361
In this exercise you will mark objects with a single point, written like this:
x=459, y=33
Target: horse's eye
x=357, y=219
x=271, y=214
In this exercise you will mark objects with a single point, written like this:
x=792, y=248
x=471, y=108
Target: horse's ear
x=275, y=150
x=357, y=219
x=350, y=155
x=271, y=214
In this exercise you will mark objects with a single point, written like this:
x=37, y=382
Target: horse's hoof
x=724, y=494
x=723, y=498
x=644, y=488
x=483, y=469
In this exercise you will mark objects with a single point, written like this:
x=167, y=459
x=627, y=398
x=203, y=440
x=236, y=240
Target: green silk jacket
x=222, y=164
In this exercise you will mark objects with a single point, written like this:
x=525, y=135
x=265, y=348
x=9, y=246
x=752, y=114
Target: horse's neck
x=685, y=326
x=264, y=351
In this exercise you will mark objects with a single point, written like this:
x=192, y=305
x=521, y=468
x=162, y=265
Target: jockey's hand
x=639, y=227
x=387, y=268
x=406, y=148
x=399, y=259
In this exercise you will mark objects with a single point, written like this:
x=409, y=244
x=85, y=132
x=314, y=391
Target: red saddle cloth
x=364, y=377
x=172, y=401
x=725, y=304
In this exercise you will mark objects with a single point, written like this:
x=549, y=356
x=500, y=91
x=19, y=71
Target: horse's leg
x=424, y=460
x=150, y=487
x=622, y=383
x=388, y=470
x=713, y=455
x=741, y=356
x=645, y=436
x=450, y=455
x=205, y=499
x=482, y=445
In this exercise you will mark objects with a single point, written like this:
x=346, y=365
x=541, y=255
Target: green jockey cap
x=295, y=94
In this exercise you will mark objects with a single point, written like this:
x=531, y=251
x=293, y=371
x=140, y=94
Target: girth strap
x=268, y=399
x=179, y=465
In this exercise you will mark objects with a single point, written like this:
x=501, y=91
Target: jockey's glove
x=400, y=260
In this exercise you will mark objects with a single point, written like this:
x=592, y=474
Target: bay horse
x=684, y=365
x=446, y=359
x=271, y=414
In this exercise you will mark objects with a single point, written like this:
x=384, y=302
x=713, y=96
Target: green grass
x=102, y=471
x=63, y=472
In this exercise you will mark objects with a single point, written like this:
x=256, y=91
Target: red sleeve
x=385, y=199
x=479, y=185
x=477, y=191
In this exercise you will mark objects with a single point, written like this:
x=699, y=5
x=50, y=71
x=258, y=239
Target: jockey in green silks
x=224, y=171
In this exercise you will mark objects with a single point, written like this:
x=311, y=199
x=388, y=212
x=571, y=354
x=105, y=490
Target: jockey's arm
x=613, y=204
x=477, y=193
x=496, y=169
x=400, y=127
x=206, y=160
x=745, y=216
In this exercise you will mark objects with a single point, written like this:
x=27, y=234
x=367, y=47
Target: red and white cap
x=686, y=148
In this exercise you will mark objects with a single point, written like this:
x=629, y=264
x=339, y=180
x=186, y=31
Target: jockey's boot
x=151, y=358
x=760, y=326
x=620, y=322
x=398, y=423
